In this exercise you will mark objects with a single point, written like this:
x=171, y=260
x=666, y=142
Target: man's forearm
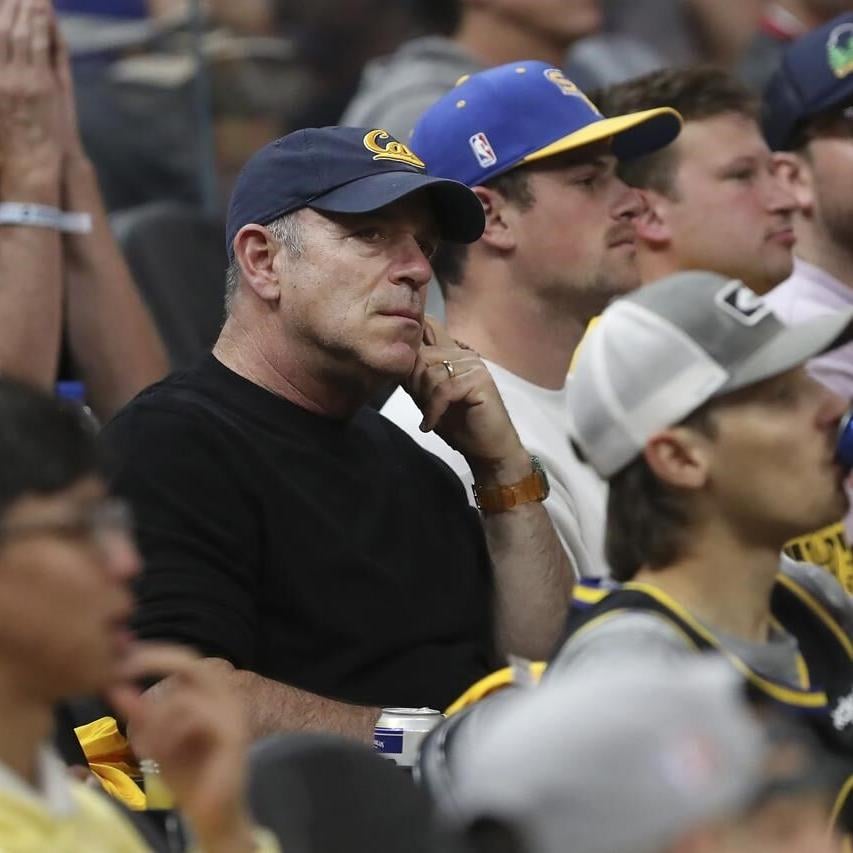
x=30, y=283
x=112, y=334
x=533, y=576
x=275, y=707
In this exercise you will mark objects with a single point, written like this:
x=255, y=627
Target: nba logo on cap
x=483, y=151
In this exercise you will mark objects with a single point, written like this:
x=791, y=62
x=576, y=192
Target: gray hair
x=287, y=230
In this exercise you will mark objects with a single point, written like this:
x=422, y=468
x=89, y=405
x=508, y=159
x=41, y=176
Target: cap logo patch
x=839, y=50
x=392, y=150
x=556, y=76
x=738, y=301
x=483, y=150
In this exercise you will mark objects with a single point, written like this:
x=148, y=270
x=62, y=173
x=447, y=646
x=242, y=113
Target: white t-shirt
x=578, y=500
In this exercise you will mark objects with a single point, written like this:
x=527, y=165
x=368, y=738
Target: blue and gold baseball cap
x=815, y=76
x=344, y=170
x=522, y=112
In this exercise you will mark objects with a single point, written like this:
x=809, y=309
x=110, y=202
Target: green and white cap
x=658, y=354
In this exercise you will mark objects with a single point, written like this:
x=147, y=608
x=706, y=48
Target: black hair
x=46, y=444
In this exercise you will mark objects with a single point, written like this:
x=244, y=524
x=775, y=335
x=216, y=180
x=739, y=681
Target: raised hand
x=459, y=400
x=72, y=146
x=30, y=111
x=193, y=726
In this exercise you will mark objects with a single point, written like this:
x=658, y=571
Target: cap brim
x=793, y=347
x=460, y=214
x=633, y=135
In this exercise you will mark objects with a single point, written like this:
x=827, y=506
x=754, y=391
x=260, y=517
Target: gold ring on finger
x=448, y=366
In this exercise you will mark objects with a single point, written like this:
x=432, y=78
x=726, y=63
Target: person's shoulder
x=182, y=391
x=422, y=61
x=395, y=89
x=821, y=585
x=177, y=410
x=206, y=388
x=619, y=634
x=627, y=626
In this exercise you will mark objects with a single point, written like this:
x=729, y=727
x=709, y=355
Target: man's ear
x=679, y=457
x=795, y=174
x=652, y=225
x=255, y=249
x=499, y=233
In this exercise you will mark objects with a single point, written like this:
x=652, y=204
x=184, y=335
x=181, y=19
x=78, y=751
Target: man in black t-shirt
x=325, y=564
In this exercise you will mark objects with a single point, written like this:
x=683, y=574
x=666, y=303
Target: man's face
x=728, y=212
x=829, y=158
x=352, y=302
x=576, y=243
x=559, y=21
x=771, y=465
x=65, y=564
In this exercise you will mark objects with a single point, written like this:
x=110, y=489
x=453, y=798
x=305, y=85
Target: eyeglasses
x=94, y=523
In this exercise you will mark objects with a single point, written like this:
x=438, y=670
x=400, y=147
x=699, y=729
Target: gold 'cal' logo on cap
x=392, y=150
x=555, y=76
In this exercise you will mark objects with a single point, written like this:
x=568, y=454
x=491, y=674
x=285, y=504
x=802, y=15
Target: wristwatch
x=534, y=487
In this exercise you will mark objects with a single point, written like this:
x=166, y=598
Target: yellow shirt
x=65, y=816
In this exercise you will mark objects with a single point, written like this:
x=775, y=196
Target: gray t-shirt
x=653, y=635
x=395, y=90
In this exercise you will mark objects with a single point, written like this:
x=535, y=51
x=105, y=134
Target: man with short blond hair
x=558, y=246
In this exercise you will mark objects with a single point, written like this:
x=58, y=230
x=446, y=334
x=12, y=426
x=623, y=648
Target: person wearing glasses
x=66, y=562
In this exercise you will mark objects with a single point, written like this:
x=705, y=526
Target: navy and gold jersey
x=823, y=696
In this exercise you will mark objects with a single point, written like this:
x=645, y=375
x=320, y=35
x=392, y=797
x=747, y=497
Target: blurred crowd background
x=174, y=95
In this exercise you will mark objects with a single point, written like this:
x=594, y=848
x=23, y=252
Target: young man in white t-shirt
x=558, y=246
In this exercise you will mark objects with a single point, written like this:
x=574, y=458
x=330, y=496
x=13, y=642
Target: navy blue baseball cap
x=521, y=112
x=344, y=170
x=815, y=76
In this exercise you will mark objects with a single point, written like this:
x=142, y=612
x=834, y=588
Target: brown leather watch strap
x=534, y=487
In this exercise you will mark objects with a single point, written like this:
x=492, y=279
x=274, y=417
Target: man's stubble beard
x=586, y=298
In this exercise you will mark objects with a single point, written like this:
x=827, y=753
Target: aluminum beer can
x=399, y=732
x=844, y=444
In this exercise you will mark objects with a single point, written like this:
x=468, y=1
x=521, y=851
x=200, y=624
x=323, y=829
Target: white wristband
x=43, y=216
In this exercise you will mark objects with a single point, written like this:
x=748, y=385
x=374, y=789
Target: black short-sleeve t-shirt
x=333, y=555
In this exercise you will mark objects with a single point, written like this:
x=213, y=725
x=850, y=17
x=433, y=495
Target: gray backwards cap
x=660, y=353
x=571, y=770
